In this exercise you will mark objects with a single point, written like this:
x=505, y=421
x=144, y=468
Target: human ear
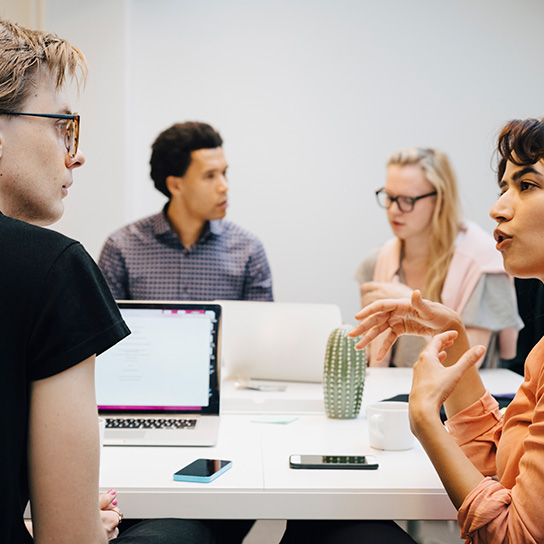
x=173, y=184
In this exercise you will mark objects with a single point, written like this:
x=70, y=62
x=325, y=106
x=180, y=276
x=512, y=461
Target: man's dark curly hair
x=171, y=151
x=520, y=142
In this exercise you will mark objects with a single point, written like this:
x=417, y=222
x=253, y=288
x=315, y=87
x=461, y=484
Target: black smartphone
x=350, y=462
x=202, y=470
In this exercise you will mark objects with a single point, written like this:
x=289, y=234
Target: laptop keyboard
x=150, y=423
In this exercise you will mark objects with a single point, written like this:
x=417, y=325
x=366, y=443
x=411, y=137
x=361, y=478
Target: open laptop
x=160, y=385
x=281, y=341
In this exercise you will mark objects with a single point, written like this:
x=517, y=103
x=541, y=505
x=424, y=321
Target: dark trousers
x=345, y=532
x=183, y=531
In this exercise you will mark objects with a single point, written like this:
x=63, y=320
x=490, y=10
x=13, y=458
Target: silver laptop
x=282, y=341
x=160, y=385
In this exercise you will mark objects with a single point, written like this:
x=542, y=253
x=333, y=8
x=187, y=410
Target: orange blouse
x=508, y=505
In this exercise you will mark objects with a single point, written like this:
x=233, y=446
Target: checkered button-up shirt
x=147, y=261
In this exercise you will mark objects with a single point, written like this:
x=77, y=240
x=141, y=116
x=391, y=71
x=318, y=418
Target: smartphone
x=350, y=462
x=202, y=470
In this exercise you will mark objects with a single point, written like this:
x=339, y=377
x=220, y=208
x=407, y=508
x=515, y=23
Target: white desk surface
x=307, y=398
x=260, y=485
x=143, y=476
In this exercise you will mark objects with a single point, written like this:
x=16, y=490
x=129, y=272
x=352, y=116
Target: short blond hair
x=24, y=52
x=446, y=218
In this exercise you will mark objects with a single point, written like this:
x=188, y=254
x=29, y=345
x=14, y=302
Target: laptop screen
x=168, y=364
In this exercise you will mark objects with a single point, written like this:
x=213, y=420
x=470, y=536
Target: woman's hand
x=433, y=383
x=371, y=291
x=403, y=316
x=109, y=514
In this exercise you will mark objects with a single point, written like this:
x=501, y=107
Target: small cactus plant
x=343, y=375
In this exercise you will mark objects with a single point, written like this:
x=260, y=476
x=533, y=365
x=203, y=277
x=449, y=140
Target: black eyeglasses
x=405, y=203
x=71, y=135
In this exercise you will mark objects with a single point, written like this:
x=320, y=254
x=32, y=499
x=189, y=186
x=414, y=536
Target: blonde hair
x=446, y=216
x=24, y=52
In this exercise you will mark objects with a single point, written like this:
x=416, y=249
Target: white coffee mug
x=389, y=427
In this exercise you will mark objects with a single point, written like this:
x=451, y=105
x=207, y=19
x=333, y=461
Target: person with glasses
x=56, y=314
x=448, y=259
x=56, y=311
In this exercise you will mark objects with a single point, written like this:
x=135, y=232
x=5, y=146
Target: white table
x=261, y=485
x=307, y=398
x=143, y=476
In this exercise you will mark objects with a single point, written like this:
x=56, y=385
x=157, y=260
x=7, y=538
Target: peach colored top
x=508, y=505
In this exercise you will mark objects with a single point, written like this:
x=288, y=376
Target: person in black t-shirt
x=56, y=311
x=56, y=315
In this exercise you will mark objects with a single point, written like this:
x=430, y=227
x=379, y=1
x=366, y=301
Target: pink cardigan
x=509, y=508
x=474, y=256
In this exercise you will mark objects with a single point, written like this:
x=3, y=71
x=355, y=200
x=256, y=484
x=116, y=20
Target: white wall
x=28, y=13
x=311, y=97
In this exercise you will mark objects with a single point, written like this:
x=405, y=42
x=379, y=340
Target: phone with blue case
x=202, y=470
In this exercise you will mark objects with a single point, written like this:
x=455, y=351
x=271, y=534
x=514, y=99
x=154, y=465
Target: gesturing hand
x=403, y=316
x=432, y=382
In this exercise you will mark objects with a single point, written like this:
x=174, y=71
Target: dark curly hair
x=520, y=142
x=171, y=151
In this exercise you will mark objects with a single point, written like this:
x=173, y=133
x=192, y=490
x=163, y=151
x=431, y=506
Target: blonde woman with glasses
x=449, y=260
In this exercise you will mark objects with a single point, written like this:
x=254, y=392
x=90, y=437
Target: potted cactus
x=343, y=375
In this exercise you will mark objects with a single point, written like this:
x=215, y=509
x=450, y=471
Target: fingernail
x=114, y=502
x=112, y=491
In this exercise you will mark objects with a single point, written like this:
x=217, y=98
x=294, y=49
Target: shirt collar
x=162, y=226
x=217, y=227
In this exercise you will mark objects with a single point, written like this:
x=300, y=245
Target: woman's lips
x=501, y=238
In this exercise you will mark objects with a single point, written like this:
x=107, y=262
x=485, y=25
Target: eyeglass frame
x=74, y=117
x=411, y=199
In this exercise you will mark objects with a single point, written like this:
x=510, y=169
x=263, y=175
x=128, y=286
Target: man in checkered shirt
x=187, y=251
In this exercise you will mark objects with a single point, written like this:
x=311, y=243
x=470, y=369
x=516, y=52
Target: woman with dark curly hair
x=490, y=463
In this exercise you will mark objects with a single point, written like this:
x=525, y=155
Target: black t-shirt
x=55, y=311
